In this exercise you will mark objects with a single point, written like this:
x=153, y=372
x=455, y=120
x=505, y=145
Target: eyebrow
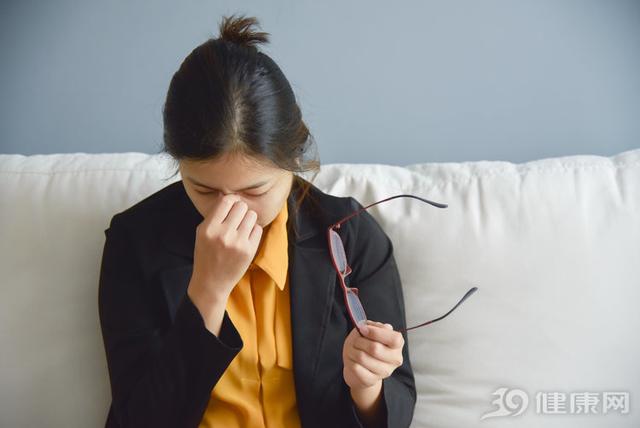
x=253, y=186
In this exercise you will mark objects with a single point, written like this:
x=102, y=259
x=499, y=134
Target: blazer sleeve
x=160, y=376
x=375, y=274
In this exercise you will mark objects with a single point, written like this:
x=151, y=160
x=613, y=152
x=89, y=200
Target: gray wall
x=385, y=82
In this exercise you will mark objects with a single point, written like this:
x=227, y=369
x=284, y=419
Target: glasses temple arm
x=435, y=204
x=467, y=294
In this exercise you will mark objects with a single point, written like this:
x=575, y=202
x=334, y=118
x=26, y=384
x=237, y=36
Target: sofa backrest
x=553, y=246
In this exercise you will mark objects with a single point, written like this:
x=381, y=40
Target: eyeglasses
x=339, y=258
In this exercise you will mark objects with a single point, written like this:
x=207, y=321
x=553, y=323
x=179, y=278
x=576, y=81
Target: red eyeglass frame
x=346, y=290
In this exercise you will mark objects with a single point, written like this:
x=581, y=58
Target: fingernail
x=388, y=325
x=364, y=329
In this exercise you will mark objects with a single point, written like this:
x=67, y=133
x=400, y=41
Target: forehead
x=229, y=170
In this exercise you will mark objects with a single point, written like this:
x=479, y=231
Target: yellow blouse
x=257, y=389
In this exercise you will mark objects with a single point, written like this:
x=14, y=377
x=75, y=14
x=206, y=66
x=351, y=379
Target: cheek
x=203, y=203
x=266, y=212
x=262, y=217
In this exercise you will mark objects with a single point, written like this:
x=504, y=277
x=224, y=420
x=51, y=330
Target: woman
x=218, y=301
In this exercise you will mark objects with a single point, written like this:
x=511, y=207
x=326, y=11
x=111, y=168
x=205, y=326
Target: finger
x=378, y=367
x=372, y=322
x=363, y=328
x=364, y=375
x=378, y=350
x=221, y=209
x=386, y=335
x=246, y=224
x=256, y=234
x=236, y=214
x=379, y=324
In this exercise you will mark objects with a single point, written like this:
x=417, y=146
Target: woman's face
x=262, y=185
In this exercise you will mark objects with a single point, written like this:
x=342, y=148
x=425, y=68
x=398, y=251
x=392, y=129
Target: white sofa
x=552, y=244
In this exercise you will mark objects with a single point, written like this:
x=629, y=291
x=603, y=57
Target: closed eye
x=248, y=194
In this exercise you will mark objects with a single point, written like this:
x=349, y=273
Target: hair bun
x=239, y=30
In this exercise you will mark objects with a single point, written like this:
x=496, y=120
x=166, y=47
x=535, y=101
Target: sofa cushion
x=553, y=246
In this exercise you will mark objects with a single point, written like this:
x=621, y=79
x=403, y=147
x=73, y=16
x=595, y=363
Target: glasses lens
x=356, y=307
x=338, y=251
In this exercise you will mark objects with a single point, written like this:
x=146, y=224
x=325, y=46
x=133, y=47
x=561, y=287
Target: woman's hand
x=370, y=358
x=226, y=243
x=367, y=360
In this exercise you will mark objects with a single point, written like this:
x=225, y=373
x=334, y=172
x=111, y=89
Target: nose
x=230, y=196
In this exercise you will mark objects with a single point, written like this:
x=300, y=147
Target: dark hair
x=228, y=97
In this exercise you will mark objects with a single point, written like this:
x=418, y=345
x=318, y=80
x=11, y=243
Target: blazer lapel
x=312, y=278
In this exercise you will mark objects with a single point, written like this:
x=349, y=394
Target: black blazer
x=163, y=362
